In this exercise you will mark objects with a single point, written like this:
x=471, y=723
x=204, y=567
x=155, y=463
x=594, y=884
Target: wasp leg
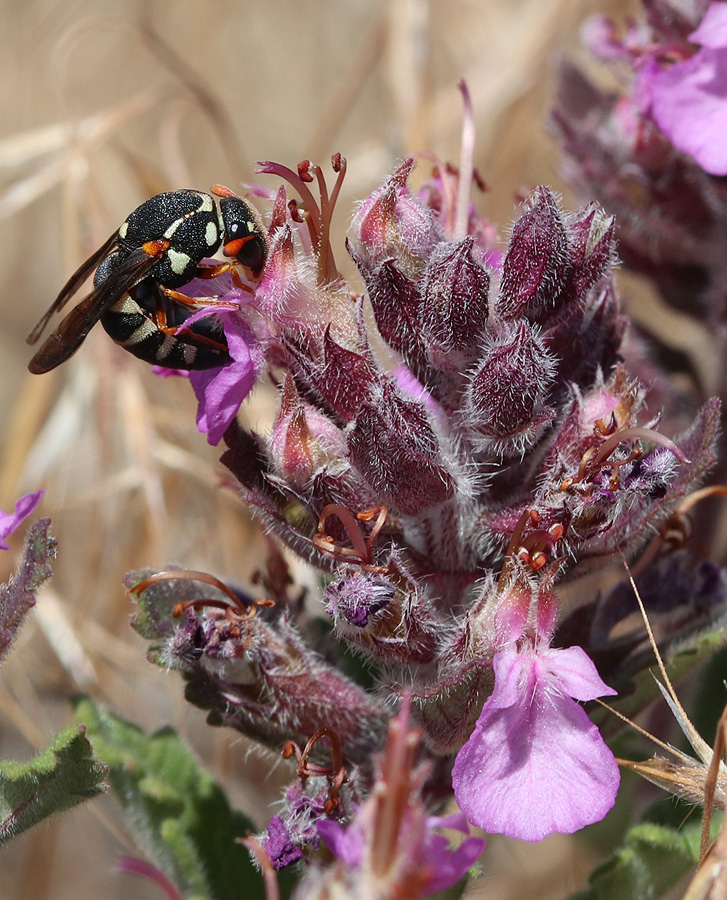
x=196, y=302
x=215, y=271
x=159, y=317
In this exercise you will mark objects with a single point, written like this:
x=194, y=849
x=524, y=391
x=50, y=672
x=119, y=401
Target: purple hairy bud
x=393, y=224
x=396, y=451
x=536, y=265
x=505, y=400
x=399, y=312
x=456, y=286
x=303, y=439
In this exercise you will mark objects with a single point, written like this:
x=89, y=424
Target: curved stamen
x=189, y=575
x=466, y=164
x=648, y=434
x=294, y=179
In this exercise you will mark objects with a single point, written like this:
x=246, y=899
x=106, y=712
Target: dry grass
x=103, y=105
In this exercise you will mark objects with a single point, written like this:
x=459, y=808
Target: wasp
x=139, y=269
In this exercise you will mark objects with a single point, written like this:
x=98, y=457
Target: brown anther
x=479, y=181
x=292, y=749
x=337, y=161
x=567, y=483
x=304, y=170
x=296, y=213
x=534, y=517
x=538, y=561
x=524, y=556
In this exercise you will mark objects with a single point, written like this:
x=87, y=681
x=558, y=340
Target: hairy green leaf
x=181, y=818
x=62, y=776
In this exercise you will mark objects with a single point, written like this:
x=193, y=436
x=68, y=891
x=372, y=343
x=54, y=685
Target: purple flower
x=10, y=521
x=535, y=763
x=391, y=847
x=689, y=99
x=220, y=391
x=441, y=864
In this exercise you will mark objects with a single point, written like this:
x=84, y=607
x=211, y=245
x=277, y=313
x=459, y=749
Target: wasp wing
x=72, y=285
x=72, y=331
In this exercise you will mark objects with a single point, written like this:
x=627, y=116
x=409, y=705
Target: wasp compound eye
x=244, y=233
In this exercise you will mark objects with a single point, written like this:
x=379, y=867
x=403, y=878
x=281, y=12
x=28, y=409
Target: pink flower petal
x=712, y=30
x=576, y=673
x=689, y=99
x=535, y=764
x=689, y=104
x=220, y=391
x=450, y=865
x=10, y=521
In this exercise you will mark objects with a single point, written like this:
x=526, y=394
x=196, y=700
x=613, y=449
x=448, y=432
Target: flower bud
x=344, y=380
x=505, y=399
x=396, y=451
x=455, y=291
x=536, y=264
x=392, y=224
x=399, y=312
x=384, y=622
x=303, y=439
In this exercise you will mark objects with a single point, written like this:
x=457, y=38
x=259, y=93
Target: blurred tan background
x=103, y=105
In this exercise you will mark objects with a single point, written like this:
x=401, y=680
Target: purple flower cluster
x=650, y=151
x=449, y=447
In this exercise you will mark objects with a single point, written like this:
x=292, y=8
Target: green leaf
x=180, y=815
x=651, y=862
x=62, y=776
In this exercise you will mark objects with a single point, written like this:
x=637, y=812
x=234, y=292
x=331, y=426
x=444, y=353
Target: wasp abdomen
x=128, y=325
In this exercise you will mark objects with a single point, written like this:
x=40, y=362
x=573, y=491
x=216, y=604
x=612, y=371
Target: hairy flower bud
x=456, y=286
x=396, y=451
x=385, y=622
x=392, y=224
x=399, y=312
x=303, y=439
x=536, y=265
x=505, y=400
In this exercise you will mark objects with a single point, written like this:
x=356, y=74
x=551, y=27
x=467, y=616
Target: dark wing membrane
x=72, y=331
x=72, y=286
